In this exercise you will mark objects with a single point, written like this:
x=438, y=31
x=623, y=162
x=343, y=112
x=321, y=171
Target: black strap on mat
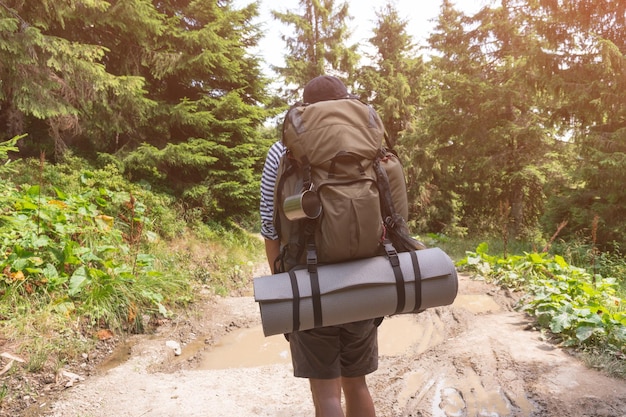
x=296, y=300
x=394, y=260
x=311, y=261
x=418, y=281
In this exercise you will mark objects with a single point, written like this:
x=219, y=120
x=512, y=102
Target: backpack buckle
x=392, y=254
x=390, y=222
x=311, y=257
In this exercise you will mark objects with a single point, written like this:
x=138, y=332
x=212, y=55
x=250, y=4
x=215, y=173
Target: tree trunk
x=516, y=219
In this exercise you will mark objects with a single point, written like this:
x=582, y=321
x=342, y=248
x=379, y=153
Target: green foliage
x=8, y=146
x=78, y=176
x=50, y=76
x=317, y=46
x=83, y=250
x=490, y=118
x=393, y=83
x=599, y=195
x=206, y=176
x=582, y=308
x=76, y=256
x=177, y=77
x=227, y=264
x=590, y=111
x=582, y=253
x=5, y=148
x=79, y=252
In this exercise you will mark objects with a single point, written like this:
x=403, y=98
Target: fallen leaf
x=104, y=334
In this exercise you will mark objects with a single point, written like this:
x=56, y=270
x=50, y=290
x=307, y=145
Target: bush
x=75, y=256
x=583, y=309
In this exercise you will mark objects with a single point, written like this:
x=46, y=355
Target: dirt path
x=476, y=358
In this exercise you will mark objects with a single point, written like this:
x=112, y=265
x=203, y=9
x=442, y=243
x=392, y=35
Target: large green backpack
x=335, y=150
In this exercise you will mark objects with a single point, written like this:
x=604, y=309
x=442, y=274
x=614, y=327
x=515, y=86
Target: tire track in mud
x=489, y=365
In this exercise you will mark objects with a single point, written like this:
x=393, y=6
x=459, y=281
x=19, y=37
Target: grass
x=83, y=251
x=457, y=248
x=604, y=361
x=44, y=336
x=221, y=259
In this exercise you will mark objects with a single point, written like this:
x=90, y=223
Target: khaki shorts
x=348, y=350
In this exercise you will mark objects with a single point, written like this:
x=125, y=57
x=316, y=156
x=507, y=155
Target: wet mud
x=476, y=358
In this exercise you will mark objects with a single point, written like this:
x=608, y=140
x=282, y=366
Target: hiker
x=335, y=359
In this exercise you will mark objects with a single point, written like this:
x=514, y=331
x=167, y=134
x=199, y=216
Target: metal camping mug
x=304, y=205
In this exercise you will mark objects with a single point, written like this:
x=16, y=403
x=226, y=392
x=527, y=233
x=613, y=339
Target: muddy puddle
x=397, y=335
x=248, y=348
x=472, y=395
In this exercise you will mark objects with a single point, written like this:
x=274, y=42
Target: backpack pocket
x=350, y=226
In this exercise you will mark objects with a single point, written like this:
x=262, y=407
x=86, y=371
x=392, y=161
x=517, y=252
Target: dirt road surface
x=475, y=358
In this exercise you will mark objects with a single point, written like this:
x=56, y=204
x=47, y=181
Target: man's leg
x=359, y=402
x=327, y=397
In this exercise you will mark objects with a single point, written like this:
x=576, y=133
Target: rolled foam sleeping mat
x=357, y=290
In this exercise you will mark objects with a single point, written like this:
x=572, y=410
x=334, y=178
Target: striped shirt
x=268, y=180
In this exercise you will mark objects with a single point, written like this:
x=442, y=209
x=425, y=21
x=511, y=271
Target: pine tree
x=170, y=87
x=317, y=46
x=393, y=81
x=493, y=115
x=49, y=79
x=587, y=47
x=202, y=138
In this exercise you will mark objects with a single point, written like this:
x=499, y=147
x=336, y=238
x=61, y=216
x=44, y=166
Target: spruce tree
x=317, y=45
x=491, y=117
x=169, y=87
x=392, y=82
x=587, y=50
x=50, y=79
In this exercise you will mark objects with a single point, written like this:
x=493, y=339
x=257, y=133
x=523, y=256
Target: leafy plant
x=582, y=308
x=8, y=146
x=76, y=256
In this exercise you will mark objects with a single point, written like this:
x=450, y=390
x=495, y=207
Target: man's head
x=324, y=87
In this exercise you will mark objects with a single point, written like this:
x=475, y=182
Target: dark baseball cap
x=324, y=87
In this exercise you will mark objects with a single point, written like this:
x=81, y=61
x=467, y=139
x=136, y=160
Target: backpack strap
x=289, y=169
x=418, y=281
x=311, y=262
x=285, y=260
x=296, y=300
x=393, y=221
x=394, y=260
x=382, y=178
x=388, y=141
x=306, y=173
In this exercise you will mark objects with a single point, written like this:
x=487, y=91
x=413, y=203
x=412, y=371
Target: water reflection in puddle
x=401, y=334
x=120, y=355
x=245, y=348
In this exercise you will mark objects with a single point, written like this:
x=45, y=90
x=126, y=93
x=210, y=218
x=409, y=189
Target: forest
x=138, y=119
x=513, y=124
